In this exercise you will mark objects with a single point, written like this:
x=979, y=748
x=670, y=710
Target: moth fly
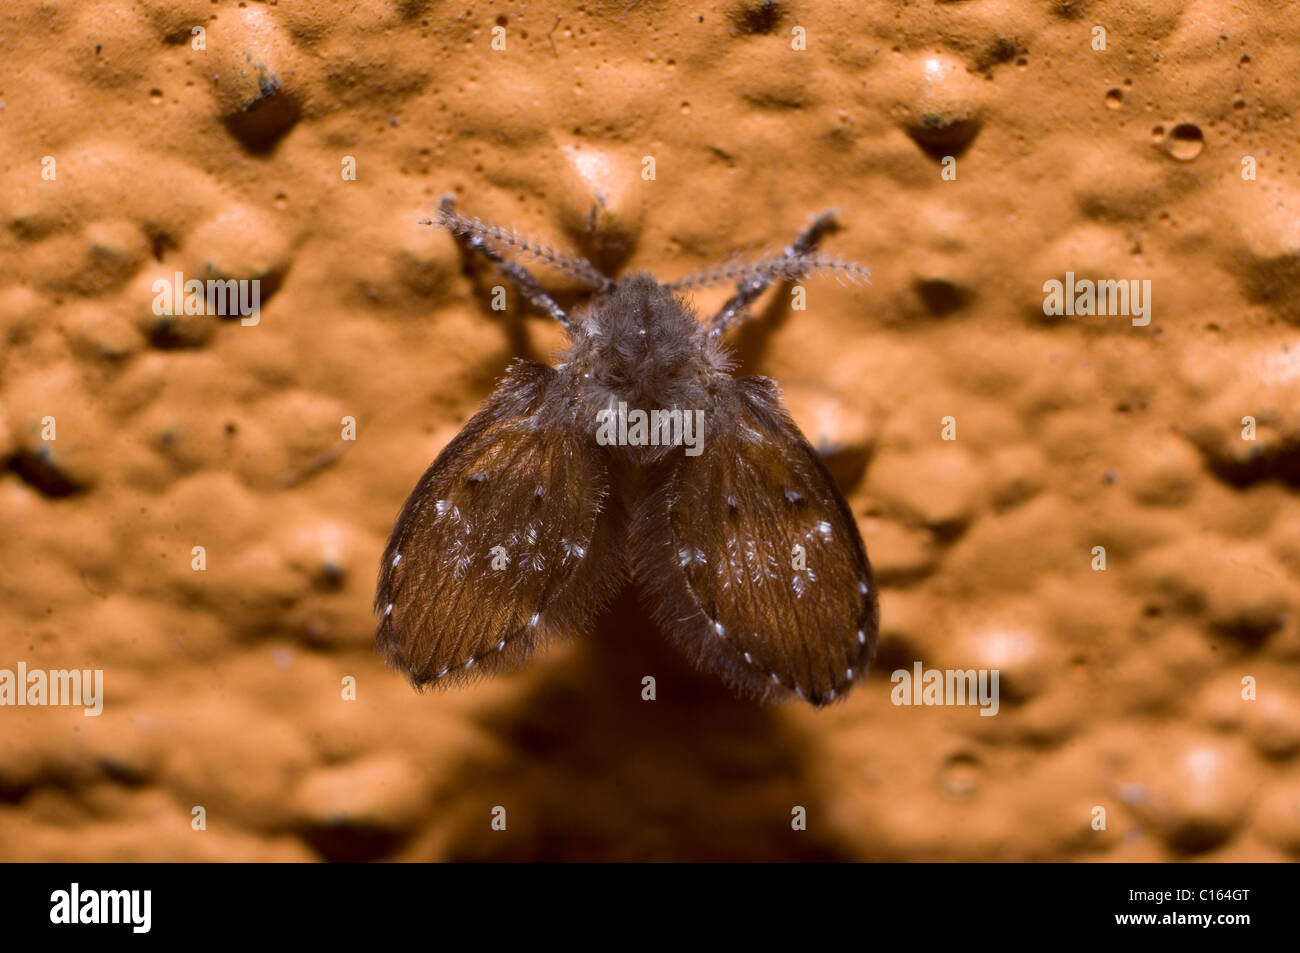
x=527, y=524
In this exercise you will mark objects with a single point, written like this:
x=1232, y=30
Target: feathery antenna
x=499, y=237
x=781, y=268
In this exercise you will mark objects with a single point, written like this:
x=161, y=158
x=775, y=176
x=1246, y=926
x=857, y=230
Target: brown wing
x=753, y=560
x=504, y=539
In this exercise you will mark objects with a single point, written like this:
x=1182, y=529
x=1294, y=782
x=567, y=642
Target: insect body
x=637, y=458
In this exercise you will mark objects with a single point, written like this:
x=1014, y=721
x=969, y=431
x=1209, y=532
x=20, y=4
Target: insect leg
x=750, y=288
x=515, y=272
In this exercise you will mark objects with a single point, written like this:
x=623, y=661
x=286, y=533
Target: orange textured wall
x=1170, y=155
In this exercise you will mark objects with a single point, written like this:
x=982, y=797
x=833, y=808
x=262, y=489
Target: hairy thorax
x=643, y=347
